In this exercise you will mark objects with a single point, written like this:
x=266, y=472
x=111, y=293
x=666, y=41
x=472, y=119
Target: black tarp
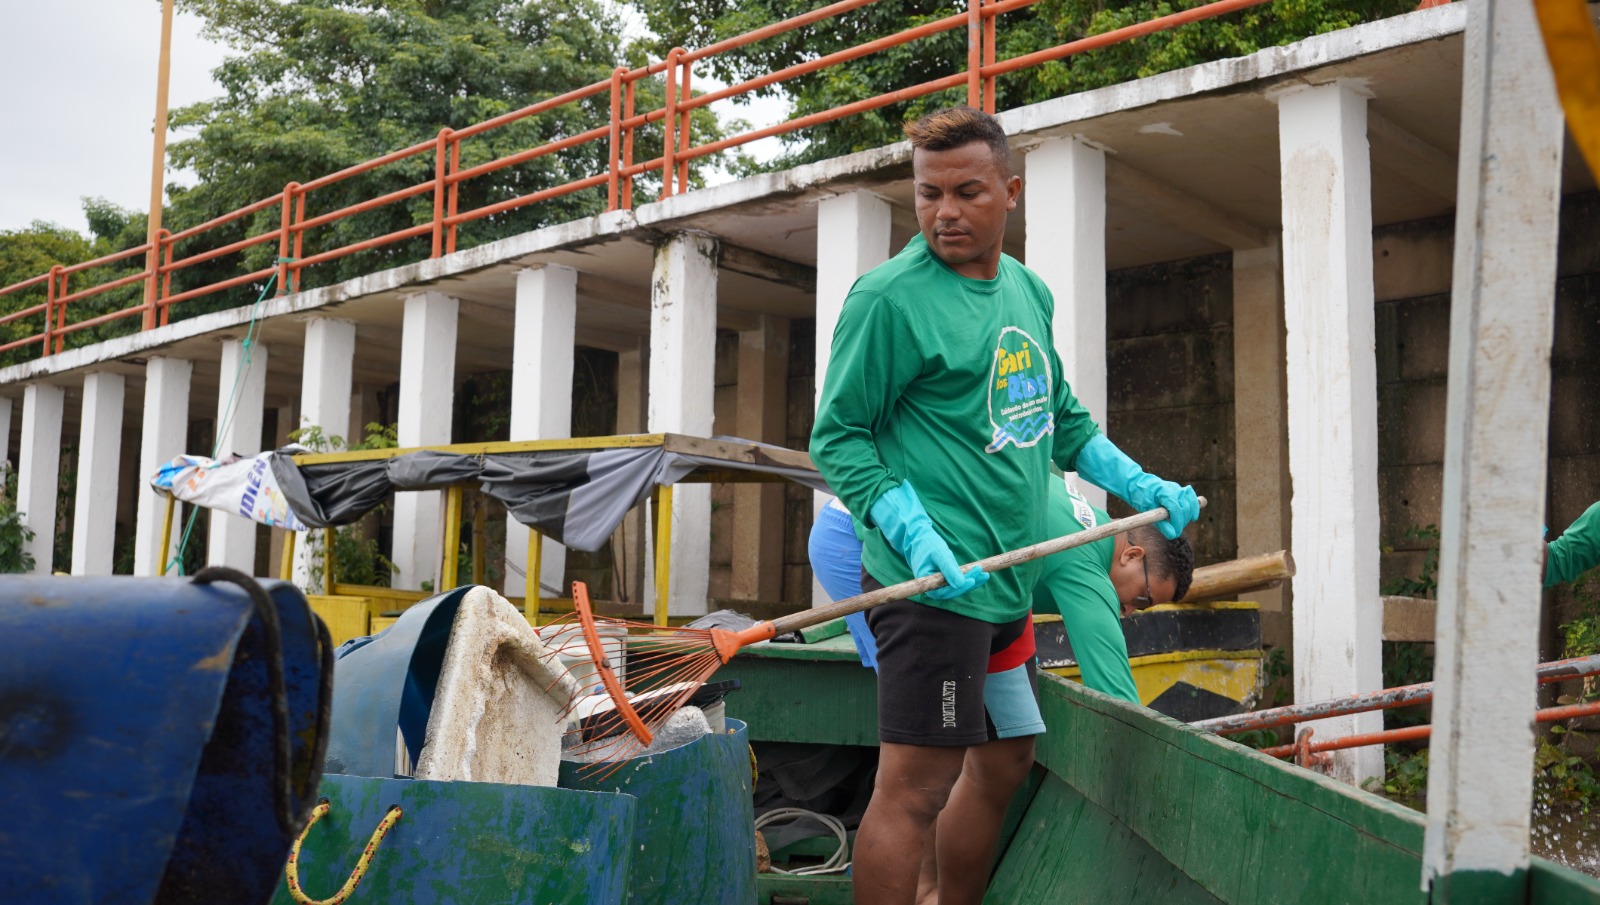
x=576, y=497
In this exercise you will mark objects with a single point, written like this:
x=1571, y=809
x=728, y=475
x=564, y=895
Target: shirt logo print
x=1020, y=382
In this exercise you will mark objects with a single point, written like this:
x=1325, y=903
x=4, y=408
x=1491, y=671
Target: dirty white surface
x=497, y=711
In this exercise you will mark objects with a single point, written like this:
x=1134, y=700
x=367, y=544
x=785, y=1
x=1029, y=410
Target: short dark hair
x=955, y=127
x=1172, y=559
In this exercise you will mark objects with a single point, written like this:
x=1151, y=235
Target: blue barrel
x=694, y=826
x=160, y=738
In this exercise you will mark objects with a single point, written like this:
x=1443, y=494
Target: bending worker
x=942, y=410
x=1091, y=587
x=1576, y=551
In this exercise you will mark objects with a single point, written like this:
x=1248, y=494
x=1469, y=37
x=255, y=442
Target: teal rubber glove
x=1103, y=465
x=907, y=528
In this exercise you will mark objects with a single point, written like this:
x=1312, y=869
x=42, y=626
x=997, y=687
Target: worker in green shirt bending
x=1092, y=587
x=1576, y=551
x=942, y=410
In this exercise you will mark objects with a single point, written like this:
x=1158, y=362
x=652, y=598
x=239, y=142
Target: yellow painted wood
x=166, y=535
x=479, y=449
x=535, y=572
x=1573, y=46
x=448, y=574
x=327, y=561
x=381, y=622
x=347, y=617
x=393, y=598
x=663, y=550
x=1231, y=673
x=286, y=568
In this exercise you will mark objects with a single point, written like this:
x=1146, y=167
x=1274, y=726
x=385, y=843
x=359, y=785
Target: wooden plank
x=1409, y=618
x=1227, y=579
x=481, y=449
x=737, y=451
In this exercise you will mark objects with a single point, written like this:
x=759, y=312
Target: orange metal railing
x=673, y=118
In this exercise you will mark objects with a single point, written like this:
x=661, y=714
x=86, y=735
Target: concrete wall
x=1412, y=275
x=1169, y=331
x=797, y=500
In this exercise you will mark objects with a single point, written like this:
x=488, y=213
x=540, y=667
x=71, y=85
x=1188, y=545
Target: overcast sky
x=78, y=96
x=79, y=99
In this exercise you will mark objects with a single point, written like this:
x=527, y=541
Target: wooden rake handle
x=821, y=614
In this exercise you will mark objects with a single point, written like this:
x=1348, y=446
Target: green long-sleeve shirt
x=952, y=384
x=1576, y=551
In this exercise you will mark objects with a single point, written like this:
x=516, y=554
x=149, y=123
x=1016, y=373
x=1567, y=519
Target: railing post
x=441, y=147
x=166, y=274
x=974, y=54
x=61, y=307
x=299, y=234
x=627, y=147
x=152, y=265
x=50, y=309
x=988, y=60
x=614, y=147
x=669, y=123
x=453, y=195
x=684, y=130
x=284, y=227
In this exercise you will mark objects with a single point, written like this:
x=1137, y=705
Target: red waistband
x=1016, y=653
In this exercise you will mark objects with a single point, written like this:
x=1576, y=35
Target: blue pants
x=836, y=561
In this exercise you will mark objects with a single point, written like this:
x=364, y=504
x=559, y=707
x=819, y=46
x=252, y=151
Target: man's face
x=963, y=196
x=1128, y=571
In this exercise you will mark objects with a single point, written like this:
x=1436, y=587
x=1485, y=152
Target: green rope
x=248, y=343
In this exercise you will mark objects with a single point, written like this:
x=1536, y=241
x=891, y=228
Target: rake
x=665, y=667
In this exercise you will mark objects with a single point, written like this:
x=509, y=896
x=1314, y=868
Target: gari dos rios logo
x=1020, y=412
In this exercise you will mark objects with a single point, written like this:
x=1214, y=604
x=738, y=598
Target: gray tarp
x=577, y=497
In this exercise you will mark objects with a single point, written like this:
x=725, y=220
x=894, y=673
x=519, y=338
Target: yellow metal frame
x=449, y=577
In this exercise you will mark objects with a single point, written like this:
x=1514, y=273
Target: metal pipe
x=1412, y=733
x=1403, y=696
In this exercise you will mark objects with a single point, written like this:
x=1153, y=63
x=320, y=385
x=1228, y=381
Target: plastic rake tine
x=692, y=655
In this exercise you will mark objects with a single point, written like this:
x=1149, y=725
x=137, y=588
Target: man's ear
x=1013, y=191
x=1132, y=553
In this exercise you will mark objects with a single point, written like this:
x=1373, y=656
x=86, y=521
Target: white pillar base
x=324, y=403
x=232, y=540
x=427, y=394
x=38, y=469
x=94, y=519
x=166, y=428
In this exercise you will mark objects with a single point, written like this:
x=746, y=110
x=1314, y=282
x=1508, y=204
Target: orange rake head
x=636, y=685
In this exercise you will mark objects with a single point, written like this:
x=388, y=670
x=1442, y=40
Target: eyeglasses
x=1145, y=600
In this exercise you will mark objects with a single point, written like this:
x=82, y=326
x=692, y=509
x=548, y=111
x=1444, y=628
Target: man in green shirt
x=942, y=410
x=1576, y=551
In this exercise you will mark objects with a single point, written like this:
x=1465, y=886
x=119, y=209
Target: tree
x=698, y=23
x=321, y=85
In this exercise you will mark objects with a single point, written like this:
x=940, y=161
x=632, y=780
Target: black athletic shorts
x=951, y=680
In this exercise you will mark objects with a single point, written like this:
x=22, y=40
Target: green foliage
x=317, y=86
x=28, y=253
x=1561, y=776
x=1426, y=584
x=1581, y=636
x=697, y=23
x=14, y=559
x=1405, y=776
x=357, y=558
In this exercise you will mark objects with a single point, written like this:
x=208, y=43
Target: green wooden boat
x=1126, y=805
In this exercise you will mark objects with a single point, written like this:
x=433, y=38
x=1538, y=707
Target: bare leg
x=912, y=786
x=928, y=877
x=969, y=826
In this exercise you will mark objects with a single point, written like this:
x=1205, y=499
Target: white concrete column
x=853, y=235
x=541, y=399
x=232, y=540
x=165, y=430
x=683, y=350
x=1066, y=246
x=38, y=468
x=325, y=390
x=1333, y=407
x=758, y=508
x=1260, y=430
x=94, y=518
x=427, y=398
x=1502, y=313
x=5, y=429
